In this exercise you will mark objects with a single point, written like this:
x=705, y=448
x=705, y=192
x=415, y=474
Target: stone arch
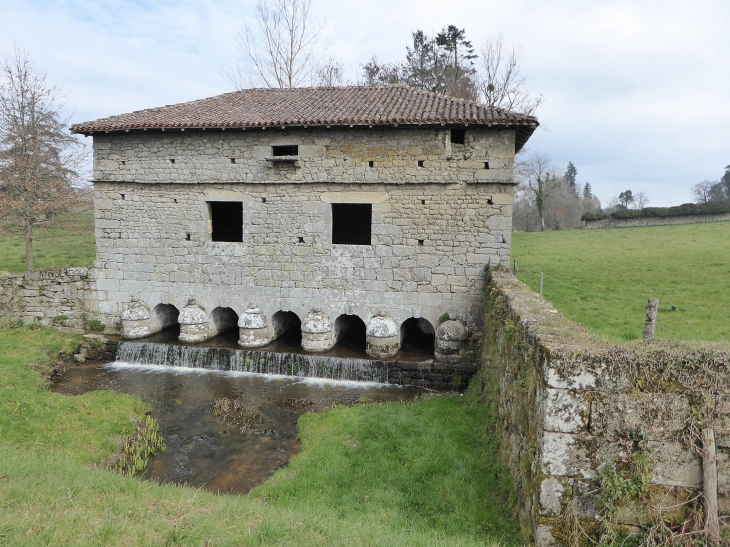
x=352, y=329
x=417, y=334
x=163, y=317
x=223, y=319
x=285, y=321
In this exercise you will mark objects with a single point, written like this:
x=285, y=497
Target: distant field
x=69, y=243
x=603, y=278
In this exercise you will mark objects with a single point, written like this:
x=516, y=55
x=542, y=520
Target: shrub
x=593, y=216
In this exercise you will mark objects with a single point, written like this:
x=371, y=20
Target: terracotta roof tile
x=316, y=106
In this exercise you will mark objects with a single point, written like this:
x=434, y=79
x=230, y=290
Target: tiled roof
x=316, y=106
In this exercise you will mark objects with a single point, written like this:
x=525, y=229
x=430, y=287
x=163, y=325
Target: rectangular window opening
x=233, y=160
x=486, y=165
x=423, y=202
x=187, y=237
x=420, y=163
x=420, y=242
x=352, y=223
x=457, y=136
x=300, y=239
x=371, y=164
x=226, y=218
x=290, y=150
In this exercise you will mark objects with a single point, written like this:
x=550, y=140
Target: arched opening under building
x=165, y=316
x=287, y=330
x=417, y=336
x=224, y=319
x=164, y=320
x=350, y=335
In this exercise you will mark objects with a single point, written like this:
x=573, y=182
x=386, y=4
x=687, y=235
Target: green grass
x=69, y=243
x=423, y=473
x=603, y=278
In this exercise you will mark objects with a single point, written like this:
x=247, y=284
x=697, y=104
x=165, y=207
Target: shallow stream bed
x=203, y=450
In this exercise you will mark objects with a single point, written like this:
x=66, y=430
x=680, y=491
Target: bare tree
x=329, y=74
x=532, y=172
x=501, y=81
x=282, y=50
x=704, y=191
x=641, y=200
x=39, y=159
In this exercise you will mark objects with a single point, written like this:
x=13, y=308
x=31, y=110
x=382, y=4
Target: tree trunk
x=29, y=248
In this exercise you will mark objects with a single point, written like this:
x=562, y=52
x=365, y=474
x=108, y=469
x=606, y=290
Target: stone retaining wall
x=653, y=221
x=581, y=420
x=65, y=298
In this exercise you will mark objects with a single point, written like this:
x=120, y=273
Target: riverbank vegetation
x=603, y=278
x=421, y=473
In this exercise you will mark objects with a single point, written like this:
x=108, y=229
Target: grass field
x=603, y=278
x=68, y=243
x=422, y=473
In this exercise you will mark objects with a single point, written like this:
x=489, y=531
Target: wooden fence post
x=515, y=270
x=650, y=323
x=709, y=485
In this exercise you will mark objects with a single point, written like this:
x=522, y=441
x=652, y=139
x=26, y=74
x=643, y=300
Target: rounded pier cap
x=252, y=318
x=316, y=322
x=135, y=311
x=452, y=330
x=192, y=314
x=381, y=327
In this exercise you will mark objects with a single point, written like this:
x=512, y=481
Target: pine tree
x=587, y=192
x=570, y=175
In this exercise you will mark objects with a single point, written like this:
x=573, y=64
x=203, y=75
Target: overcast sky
x=637, y=93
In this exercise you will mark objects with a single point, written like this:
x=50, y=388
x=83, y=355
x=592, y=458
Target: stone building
x=322, y=209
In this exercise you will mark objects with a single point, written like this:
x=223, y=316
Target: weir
x=422, y=373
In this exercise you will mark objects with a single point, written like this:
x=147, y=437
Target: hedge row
x=709, y=208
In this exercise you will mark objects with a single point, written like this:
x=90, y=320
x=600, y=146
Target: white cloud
x=635, y=92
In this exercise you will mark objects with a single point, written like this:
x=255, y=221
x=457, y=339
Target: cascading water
x=261, y=362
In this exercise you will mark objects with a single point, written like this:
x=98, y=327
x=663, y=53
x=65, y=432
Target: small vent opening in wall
x=289, y=150
x=420, y=163
x=352, y=223
x=226, y=218
x=420, y=242
x=187, y=237
x=486, y=165
x=233, y=160
x=172, y=160
x=371, y=164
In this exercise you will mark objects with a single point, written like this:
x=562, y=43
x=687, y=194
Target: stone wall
x=438, y=217
x=63, y=298
x=339, y=155
x=653, y=221
x=583, y=423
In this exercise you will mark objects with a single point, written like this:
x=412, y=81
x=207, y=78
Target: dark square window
x=457, y=136
x=227, y=220
x=351, y=223
x=285, y=150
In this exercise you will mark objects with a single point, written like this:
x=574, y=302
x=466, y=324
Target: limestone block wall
x=363, y=155
x=430, y=243
x=441, y=211
x=653, y=221
x=582, y=420
x=63, y=298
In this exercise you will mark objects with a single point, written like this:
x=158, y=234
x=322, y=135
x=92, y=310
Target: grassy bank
x=423, y=473
x=603, y=278
x=69, y=243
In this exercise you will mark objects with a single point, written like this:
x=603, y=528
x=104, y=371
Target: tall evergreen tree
x=725, y=180
x=570, y=175
x=587, y=191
